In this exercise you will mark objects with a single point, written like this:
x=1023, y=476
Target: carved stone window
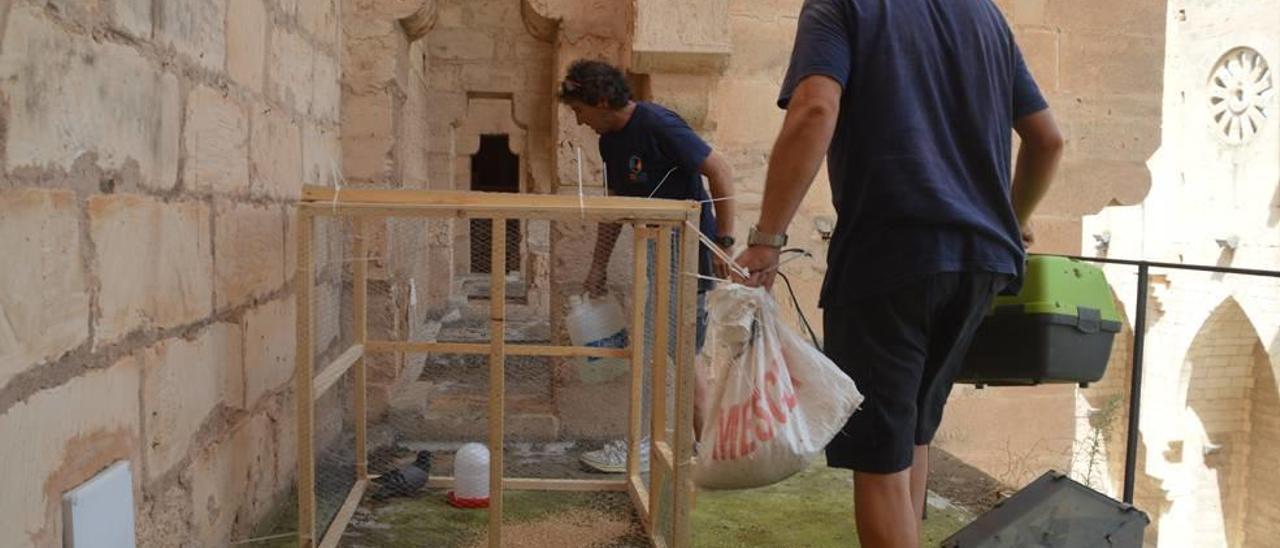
x=1241, y=95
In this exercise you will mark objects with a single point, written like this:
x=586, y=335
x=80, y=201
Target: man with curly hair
x=648, y=151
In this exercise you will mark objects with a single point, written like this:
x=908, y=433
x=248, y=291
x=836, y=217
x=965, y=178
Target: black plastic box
x=1055, y=511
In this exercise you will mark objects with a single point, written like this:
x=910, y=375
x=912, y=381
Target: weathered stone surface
x=288, y=7
x=321, y=155
x=48, y=449
x=1028, y=12
x=460, y=44
x=196, y=28
x=1040, y=50
x=132, y=17
x=249, y=251
x=368, y=140
x=216, y=140
x=289, y=69
x=276, y=150
x=320, y=18
x=246, y=42
x=44, y=294
x=154, y=263
x=129, y=115
x=1099, y=63
x=1140, y=18
x=264, y=490
x=182, y=382
x=164, y=516
x=326, y=89
x=222, y=476
x=269, y=333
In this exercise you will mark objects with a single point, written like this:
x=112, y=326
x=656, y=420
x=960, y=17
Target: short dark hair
x=591, y=82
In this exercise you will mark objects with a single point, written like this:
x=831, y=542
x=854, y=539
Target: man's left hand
x=761, y=262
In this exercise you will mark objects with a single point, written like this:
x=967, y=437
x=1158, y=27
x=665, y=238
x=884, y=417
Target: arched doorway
x=1231, y=434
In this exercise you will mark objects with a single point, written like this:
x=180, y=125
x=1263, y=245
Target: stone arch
x=1100, y=447
x=1231, y=436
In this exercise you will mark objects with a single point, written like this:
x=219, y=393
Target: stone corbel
x=419, y=23
x=538, y=21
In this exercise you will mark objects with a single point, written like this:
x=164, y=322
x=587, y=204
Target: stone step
x=474, y=328
x=423, y=412
x=469, y=374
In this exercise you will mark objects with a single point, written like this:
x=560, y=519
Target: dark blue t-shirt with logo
x=920, y=160
x=657, y=155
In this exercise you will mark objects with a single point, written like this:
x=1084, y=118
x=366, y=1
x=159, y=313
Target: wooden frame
x=660, y=220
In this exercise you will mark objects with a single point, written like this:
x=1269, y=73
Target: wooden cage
x=657, y=225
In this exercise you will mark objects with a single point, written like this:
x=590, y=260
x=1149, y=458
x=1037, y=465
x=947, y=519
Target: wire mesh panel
x=542, y=333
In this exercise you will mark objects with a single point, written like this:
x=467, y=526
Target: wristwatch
x=725, y=241
x=755, y=237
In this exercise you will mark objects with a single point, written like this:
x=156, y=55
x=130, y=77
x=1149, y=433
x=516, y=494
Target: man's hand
x=596, y=284
x=1028, y=235
x=761, y=263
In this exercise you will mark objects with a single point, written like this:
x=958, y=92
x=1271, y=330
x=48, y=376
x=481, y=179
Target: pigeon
x=405, y=481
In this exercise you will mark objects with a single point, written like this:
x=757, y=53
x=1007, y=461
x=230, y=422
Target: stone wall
x=1213, y=347
x=150, y=156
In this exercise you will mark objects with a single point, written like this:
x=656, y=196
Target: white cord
x=664, y=180
x=715, y=249
x=582, y=207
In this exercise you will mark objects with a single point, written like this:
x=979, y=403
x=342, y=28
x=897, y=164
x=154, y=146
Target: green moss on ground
x=812, y=509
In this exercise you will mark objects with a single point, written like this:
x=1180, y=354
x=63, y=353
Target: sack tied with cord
x=772, y=401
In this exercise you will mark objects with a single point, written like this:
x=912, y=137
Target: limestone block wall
x=149, y=156
x=1214, y=347
x=385, y=109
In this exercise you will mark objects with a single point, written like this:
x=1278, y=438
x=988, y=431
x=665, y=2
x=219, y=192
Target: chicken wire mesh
x=432, y=280
x=333, y=334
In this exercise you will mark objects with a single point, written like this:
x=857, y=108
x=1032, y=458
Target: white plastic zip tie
x=264, y=539
x=337, y=181
x=664, y=180
x=715, y=250
x=582, y=206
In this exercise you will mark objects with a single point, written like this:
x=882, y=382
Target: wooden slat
x=490, y=204
x=663, y=456
x=540, y=484
x=682, y=478
x=359, y=299
x=639, y=285
x=439, y=212
x=333, y=534
x=303, y=280
x=497, y=374
x=661, y=334
x=640, y=499
x=335, y=370
x=483, y=349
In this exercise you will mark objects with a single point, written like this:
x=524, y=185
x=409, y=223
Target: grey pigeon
x=405, y=481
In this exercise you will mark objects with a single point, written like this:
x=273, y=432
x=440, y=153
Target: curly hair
x=592, y=82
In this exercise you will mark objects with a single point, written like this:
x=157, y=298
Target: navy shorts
x=903, y=348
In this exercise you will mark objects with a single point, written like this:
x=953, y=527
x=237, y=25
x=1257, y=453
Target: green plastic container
x=1058, y=329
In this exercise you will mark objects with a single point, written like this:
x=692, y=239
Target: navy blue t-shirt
x=657, y=155
x=920, y=159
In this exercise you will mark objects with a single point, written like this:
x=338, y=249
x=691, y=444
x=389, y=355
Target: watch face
x=726, y=241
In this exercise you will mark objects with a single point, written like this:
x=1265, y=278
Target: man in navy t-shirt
x=648, y=151
x=913, y=102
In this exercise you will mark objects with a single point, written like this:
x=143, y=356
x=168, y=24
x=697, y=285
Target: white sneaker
x=612, y=458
